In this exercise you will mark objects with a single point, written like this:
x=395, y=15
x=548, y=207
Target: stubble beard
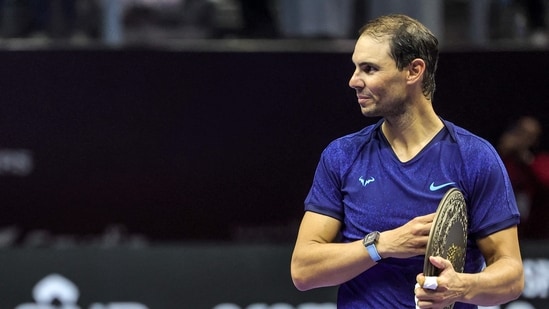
x=392, y=109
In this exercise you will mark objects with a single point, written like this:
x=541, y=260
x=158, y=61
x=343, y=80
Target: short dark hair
x=408, y=39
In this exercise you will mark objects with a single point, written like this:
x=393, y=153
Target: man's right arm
x=318, y=262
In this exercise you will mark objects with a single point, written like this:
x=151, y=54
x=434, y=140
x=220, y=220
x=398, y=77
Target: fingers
x=421, y=296
x=416, y=300
x=424, y=223
x=430, y=283
x=440, y=263
x=420, y=279
x=420, y=227
x=426, y=218
x=426, y=282
x=430, y=290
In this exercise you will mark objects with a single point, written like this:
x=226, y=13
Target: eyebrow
x=368, y=63
x=363, y=62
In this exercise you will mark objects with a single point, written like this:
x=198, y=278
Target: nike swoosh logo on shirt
x=432, y=187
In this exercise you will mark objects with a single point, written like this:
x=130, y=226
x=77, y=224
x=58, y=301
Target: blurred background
x=181, y=23
x=156, y=153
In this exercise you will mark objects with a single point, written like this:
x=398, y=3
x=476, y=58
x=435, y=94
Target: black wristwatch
x=369, y=242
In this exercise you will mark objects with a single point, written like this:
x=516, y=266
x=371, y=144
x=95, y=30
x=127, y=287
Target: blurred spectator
x=528, y=170
x=15, y=18
x=149, y=21
x=57, y=19
x=522, y=20
x=535, y=13
x=198, y=18
x=258, y=19
x=324, y=19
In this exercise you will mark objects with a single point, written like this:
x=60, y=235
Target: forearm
x=327, y=264
x=499, y=283
x=318, y=260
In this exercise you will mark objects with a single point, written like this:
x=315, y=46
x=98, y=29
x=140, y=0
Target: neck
x=410, y=132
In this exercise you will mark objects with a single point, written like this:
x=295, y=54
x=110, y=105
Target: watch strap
x=369, y=242
x=372, y=251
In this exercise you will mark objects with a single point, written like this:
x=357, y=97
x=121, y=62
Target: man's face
x=379, y=85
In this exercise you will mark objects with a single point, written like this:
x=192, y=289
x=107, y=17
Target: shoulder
x=478, y=159
x=469, y=143
x=350, y=144
x=342, y=152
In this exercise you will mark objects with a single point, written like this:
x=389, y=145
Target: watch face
x=371, y=238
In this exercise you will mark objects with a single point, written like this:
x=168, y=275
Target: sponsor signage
x=187, y=276
x=212, y=276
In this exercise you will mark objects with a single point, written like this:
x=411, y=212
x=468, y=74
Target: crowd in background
x=528, y=167
x=120, y=21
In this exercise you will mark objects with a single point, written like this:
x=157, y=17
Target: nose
x=356, y=82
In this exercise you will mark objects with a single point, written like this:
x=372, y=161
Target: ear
x=416, y=68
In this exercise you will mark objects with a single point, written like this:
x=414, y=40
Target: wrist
x=370, y=242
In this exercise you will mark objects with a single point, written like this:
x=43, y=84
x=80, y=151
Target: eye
x=367, y=68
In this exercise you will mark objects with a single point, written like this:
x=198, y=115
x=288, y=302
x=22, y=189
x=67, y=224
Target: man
x=374, y=194
x=528, y=170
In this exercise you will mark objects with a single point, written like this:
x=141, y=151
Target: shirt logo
x=365, y=182
x=434, y=187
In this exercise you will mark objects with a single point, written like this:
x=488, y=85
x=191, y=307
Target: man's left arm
x=500, y=282
x=503, y=279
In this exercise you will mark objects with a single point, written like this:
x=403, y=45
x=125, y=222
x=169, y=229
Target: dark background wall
x=207, y=145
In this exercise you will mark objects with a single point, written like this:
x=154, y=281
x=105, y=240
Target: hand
x=449, y=286
x=408, y=240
